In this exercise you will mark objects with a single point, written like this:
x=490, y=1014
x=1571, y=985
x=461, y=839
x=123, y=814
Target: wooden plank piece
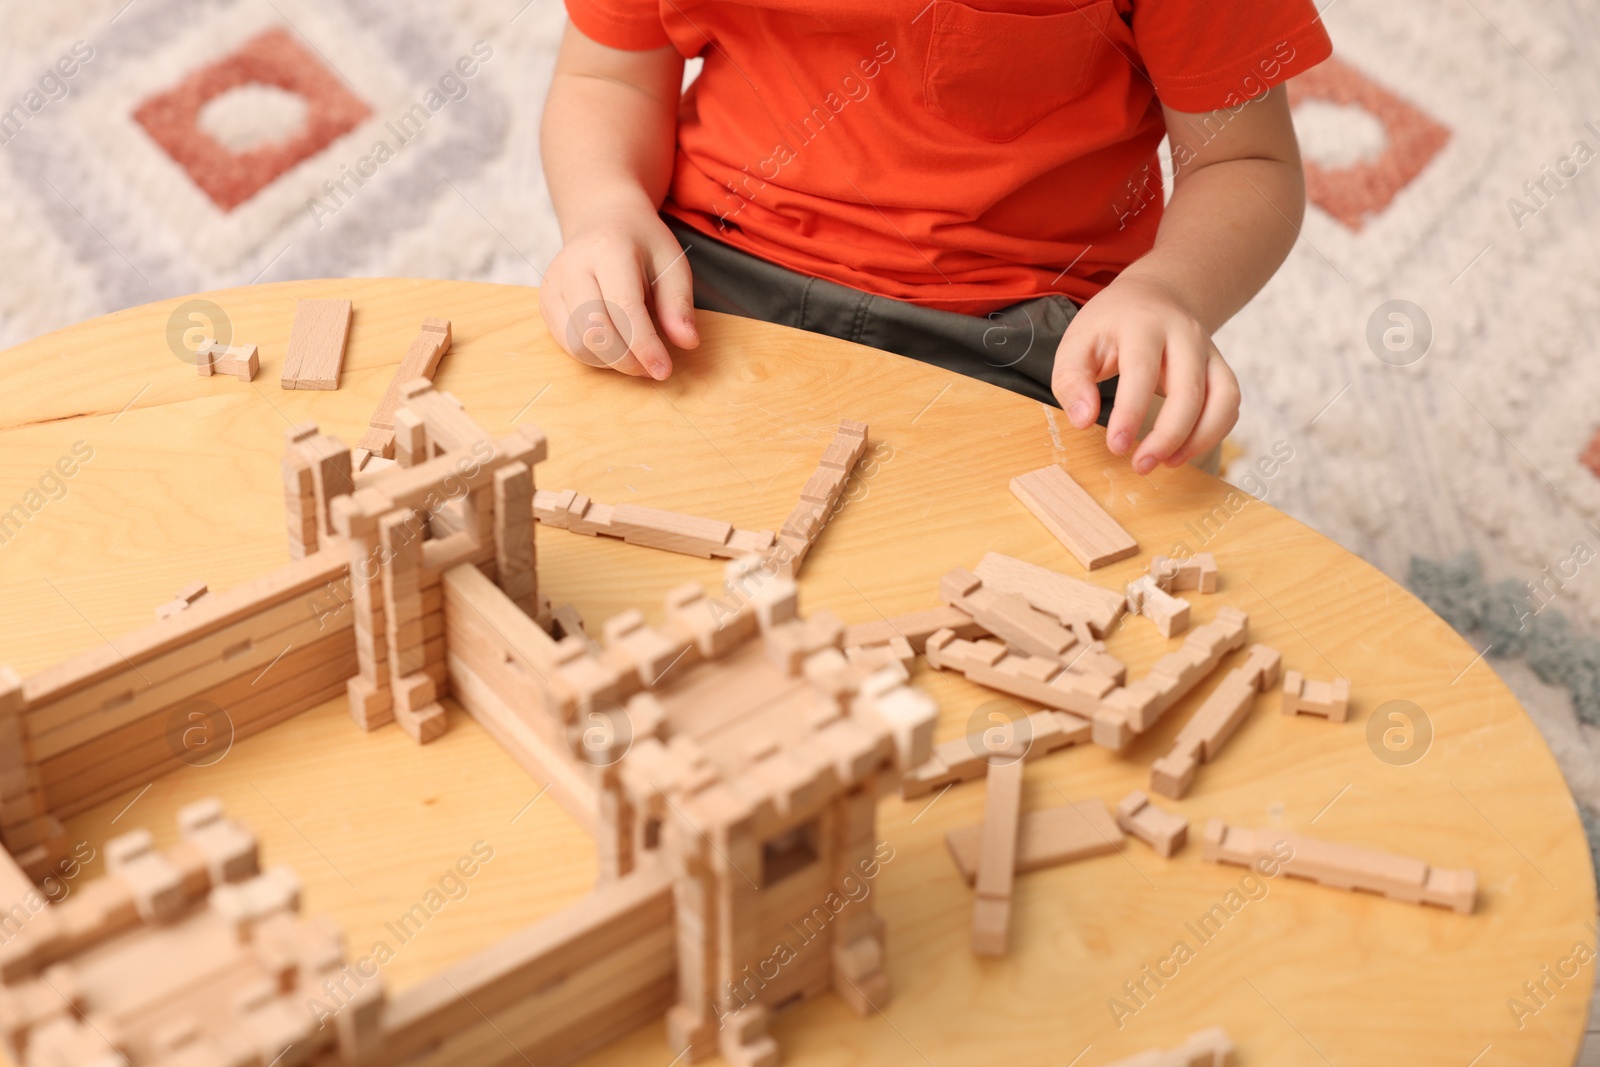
x=1045, y=838
x=1066, y=510
x=316, y=344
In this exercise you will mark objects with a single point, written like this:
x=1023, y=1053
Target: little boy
x=973, y=185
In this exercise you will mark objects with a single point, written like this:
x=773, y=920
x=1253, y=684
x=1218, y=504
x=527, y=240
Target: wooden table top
x=183, y=484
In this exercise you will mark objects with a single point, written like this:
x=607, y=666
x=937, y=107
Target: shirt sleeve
x=1205, y=55
x=632, y=25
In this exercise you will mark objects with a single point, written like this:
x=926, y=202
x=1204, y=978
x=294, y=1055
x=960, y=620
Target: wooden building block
x=1169, y=613
x=420, y=361
x=876, y=657
x=1072, y=601
x=1342, y=866
x=1224, y=710
x=1209, y=729
x=1067, y=511
x=239, y=361
x=186, y=596
x=989, y=663
x=410, y=440
x=1045, y=838
x=316, y=344
x=648, y=527
x=1139, y=705
x=1092, y=658
x=1008, y=616
x=1208, y=1048
x=513, y=535
x=820, y=497
x=916, y=628
x=332, y=474
x=997, y=858
x=668, y=530
x=962, y=759
x=1197, y=573
x=1263, y=667
x=1161, y=830
x=1303, y=696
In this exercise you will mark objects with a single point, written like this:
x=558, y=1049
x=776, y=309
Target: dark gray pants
x=1014, y=348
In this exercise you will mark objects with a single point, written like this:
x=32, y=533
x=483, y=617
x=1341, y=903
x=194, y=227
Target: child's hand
x=1138, y=328
x=600, y=289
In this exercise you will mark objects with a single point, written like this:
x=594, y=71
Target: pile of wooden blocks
x=190, y=955
x=1034, y=634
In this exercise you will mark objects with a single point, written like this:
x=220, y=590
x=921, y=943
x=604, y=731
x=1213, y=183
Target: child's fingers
x=1074, y=376
x=1219, y=415
x=553, y=309
x=587, y=331
x=621, y=282
x=674, y=295
x=1184, y=386
x=1138, y=365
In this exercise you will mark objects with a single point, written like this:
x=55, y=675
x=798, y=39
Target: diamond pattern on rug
x=271, y=58
x=1359, y=190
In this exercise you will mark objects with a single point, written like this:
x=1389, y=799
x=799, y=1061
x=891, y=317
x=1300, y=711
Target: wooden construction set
x=727, y=762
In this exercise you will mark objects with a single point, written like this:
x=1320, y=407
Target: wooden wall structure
x=728, y=764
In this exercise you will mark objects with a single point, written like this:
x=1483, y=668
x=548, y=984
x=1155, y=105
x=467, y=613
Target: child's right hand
x=598, y=295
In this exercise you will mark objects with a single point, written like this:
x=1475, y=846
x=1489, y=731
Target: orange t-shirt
x=955, y=156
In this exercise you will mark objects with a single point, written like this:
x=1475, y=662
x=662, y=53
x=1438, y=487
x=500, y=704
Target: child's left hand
x=1137, y=328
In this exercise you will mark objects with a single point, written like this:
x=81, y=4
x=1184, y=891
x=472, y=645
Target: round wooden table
x=183, y=484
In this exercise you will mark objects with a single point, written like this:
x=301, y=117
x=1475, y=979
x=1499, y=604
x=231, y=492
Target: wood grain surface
x=183, y=484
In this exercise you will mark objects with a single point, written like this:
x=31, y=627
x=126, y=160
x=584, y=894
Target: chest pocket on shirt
x=994, y=74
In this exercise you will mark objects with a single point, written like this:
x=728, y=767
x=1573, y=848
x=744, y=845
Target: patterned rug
x=1425, y=359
